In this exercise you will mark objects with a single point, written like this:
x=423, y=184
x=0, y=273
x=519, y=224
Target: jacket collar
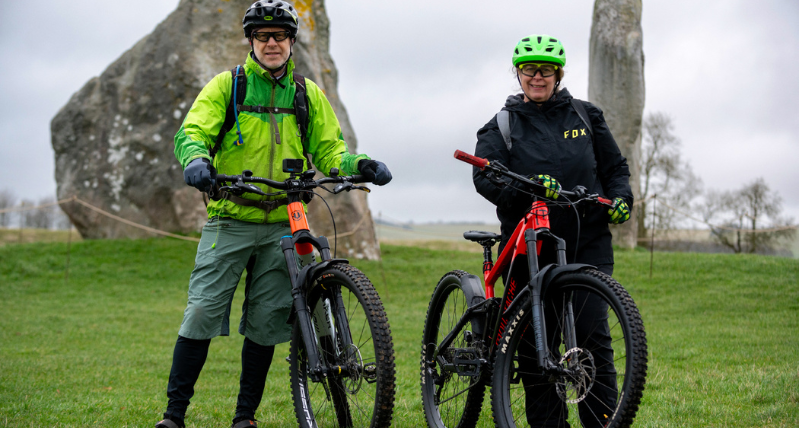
x=255, y=68
x=516, y=102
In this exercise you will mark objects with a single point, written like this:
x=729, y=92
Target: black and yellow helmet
x=271, y=13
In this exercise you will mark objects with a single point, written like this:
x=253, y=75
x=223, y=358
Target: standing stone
x=113, y=140
x=616, y=85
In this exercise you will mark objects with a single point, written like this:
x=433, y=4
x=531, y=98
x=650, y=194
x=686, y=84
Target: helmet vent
x=553, y=40
x=549, y=49
x=517, y=51
x=539, y=39
x=528, y=49
x=561, y=52
x=526, y=39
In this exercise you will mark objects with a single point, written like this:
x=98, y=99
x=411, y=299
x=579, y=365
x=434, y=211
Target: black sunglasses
x=263, y=36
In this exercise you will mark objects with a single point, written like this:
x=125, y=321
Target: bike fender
x=311, y=271
x=472, y=287
x=552, y=274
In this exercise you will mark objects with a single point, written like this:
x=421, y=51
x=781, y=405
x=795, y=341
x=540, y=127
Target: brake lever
x=254, y=189
x=239, y=187
x=346, y=186
x=364, y=188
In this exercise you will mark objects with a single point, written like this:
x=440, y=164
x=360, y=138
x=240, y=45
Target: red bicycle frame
x=536, y=219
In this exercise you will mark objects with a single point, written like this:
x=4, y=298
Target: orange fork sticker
x=297, y=217
x=298, y=221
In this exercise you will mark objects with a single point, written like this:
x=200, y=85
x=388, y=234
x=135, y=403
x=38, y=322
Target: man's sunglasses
x=263, y=36
x=530, y=69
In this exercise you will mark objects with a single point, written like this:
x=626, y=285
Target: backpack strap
x=238, y=94
x=580, y=109
x=503, y=120
x=301, y=106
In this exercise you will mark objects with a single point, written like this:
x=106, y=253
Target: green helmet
x=539, y=47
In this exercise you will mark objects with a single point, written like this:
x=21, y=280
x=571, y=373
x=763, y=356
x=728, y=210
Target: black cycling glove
x=375, y=171
x=200, y=174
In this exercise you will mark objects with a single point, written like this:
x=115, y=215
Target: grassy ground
x=15, y=236
x=723, y=332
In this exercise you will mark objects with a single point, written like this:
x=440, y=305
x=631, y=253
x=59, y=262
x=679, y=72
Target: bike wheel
x=605, y=372
x=449, y=399
x=359, y=388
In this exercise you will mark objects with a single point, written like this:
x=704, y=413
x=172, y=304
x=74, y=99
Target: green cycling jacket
x=268, y=137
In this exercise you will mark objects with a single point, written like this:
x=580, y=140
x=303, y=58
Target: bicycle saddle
x=477, y=236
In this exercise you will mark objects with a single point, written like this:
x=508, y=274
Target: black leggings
x=187, y=363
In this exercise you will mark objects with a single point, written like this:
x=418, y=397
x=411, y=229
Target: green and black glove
x=552, y=185
x=619, y=212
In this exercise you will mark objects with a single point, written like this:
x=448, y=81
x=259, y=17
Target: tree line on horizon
x=745, y=220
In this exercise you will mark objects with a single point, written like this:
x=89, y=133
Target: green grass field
x=723, y=334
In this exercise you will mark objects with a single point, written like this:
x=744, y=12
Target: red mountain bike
x=567, y=348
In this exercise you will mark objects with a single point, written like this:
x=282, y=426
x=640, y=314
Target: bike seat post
x=488, y=257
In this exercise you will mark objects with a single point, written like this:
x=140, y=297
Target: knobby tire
x=522, y=397
x=358, y=399
x=460, y=397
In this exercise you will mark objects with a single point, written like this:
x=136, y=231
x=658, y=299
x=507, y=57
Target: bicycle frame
x=523, y=242
x=302, y=242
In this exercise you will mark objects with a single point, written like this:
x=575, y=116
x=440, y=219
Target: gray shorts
x=217, y=271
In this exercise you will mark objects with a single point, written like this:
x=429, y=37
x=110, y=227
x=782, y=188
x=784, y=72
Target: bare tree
x=7, y=200
x=751, y=220
x=664, y=174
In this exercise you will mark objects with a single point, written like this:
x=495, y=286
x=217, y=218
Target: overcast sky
x=419, y=79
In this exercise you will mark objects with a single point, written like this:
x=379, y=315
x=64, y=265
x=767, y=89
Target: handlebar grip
x=359, y=179
x=604, y=201
x=470, y=159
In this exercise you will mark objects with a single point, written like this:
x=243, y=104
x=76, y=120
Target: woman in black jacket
x=551, y=143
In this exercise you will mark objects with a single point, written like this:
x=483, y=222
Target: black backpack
x=239, y=91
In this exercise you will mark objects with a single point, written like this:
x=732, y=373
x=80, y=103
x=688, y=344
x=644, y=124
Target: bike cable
x=568, y=203
x=333, y=219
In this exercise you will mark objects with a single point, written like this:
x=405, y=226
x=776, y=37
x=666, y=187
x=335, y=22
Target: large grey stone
x=616, y=85
x=113, y=139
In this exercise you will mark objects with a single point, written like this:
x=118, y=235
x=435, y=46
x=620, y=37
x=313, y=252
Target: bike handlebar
x=285, y=185
x=299, y=183
x=500, y=169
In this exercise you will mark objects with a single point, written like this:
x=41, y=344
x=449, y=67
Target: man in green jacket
x=244, y=232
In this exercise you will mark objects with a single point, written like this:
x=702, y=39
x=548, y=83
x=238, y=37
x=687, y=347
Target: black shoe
x=168, y=423
x=244, y=422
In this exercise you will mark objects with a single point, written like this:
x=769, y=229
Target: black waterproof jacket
x=552, y=139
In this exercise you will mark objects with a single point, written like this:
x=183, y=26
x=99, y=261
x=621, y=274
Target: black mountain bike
x=567, y=348
x=342, y=356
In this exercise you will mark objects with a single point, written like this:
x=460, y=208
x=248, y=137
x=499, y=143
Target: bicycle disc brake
x=578, y=377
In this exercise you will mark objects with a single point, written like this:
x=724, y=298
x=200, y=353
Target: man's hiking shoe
x=168, y=423
x=246, y=423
